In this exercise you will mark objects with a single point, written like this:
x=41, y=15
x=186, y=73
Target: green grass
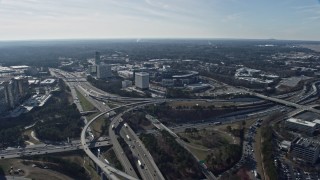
x=199, y=153
x=112, y=158
x=91, y=116
x=96, y=126
x=5, y=164
x=86, y=105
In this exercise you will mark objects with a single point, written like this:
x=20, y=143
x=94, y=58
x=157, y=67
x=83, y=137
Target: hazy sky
x=60, y=19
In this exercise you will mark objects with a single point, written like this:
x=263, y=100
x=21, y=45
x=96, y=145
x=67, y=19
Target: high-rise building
x=306, y=150
x=142, y=80
x=11, y=93
x=22, y=85
x=97, y=58
x=104, y=71
x=13, y=90
x=3, y=101
x=92, y=69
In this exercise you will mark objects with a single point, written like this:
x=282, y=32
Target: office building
x=142, y=80
x=301, y=125
x=12, y=90
x=11, y=93
x=22, y=85
x=305, y=150
x=104, y=71
x=126, y=83
x=3, y=102
x=97, y=58
x=92, y=69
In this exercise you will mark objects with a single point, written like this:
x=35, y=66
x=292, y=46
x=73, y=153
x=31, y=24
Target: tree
x=229, y=129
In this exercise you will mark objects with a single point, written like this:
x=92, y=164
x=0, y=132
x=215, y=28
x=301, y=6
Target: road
x=150, y=169
x=106, y=168
x=86, y=88
x=48, y=149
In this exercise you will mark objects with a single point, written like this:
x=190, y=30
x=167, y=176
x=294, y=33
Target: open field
x=40, y=172
x=292, y=81
x=96, y=125
x=314, y=47
x=86, y=105
x=31, y=172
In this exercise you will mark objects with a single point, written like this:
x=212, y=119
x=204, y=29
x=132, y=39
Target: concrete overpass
x=286, y=103
x=108, y=170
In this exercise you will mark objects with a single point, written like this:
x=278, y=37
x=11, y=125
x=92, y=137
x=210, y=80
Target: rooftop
x=301, y=122
x=317, y=121
x=19, y=67
x=307, y=143
x=48, y=81
x=142, y=73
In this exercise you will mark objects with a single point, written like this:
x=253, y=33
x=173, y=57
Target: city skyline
x=70, y=19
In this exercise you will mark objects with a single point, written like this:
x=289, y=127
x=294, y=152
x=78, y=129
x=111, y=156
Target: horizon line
x=150, y=38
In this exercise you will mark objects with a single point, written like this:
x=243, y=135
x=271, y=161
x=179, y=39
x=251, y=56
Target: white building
x=125, y=74
x=104, y=71
x=317, y=121
x=301, y=125
x=285, y=145
x=48, y=82
x=306, y=150
x=142, y=80
x=198, y=87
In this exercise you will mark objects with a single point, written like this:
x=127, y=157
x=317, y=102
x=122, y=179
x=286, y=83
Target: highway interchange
x=101, y=95
x=148, y=169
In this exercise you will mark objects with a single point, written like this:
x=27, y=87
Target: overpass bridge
x=84, y=113
x=286, y=103
x=49, y=149
x=106, y=169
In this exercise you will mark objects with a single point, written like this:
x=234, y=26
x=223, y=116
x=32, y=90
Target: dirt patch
x=30, y=172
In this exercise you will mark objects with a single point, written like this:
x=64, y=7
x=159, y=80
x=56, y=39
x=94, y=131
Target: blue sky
x=72, y=19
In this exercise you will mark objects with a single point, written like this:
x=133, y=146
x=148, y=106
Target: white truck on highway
x=140, y=164
x=112, y=126
x=125, y=125
x=128, y=137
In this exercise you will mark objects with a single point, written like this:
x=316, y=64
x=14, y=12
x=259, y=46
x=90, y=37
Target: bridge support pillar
x=98, y=169
x=103, y=176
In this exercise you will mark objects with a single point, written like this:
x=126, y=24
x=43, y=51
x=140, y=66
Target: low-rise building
x=167, y=82
x=126, y=74
x=301, y=125
x=48, y=82
x=285, y=145
x=198, y=87
x=305, y=150
x=317, y=121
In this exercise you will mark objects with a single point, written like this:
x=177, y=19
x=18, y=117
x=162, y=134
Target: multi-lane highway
x=49, y=148
x=148, y=169
x=146, y=165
